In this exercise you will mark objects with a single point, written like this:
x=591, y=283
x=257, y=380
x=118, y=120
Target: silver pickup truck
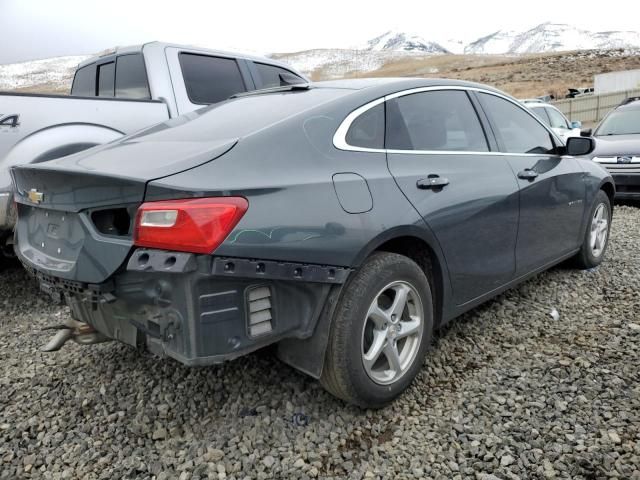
x=118, y=93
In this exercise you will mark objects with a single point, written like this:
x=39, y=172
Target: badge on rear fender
x=35, y=196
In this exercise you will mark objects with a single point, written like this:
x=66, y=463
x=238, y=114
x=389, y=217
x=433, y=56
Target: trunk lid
x=76, y=214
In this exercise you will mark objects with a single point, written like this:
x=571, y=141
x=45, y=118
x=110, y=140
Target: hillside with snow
x=551, y=37
x=405, y=42
x=53, y=74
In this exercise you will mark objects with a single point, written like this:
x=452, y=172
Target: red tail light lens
x=197, y=225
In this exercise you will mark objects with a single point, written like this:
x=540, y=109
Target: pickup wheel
x=596, y=237
x=380, y=333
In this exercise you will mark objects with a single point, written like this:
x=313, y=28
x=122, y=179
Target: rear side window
x=106, y=79
x=210, y=79
x=131, y=77
x=541, y=113
x=518, y=130
x=557, y=120
x=84, y=82
x=436, y=120
x=367, y=130
x=272, y=76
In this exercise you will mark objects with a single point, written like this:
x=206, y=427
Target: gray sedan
x=343, y=221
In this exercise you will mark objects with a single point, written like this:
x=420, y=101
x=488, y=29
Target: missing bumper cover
x=272, y=270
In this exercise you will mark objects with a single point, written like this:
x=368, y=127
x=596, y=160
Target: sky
x=34, y=29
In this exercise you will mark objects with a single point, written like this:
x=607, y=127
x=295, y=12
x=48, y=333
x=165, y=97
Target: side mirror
x=579, y=146
x=576, y=124
x=586, y=132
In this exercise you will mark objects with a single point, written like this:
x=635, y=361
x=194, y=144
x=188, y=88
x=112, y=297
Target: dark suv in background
x=618, y=147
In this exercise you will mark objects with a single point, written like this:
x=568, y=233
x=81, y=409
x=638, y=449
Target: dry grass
x=521, y=76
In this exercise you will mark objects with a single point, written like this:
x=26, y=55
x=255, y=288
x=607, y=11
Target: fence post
x=571, y=109
x=597, y=109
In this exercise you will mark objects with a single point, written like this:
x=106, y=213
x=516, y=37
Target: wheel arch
x=421, y=247
x=609, y=188
x=308, y=355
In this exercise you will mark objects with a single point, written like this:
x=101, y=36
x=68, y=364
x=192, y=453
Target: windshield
x=622, y=122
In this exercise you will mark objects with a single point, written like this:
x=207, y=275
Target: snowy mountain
x=400, y=41
x=551, y=37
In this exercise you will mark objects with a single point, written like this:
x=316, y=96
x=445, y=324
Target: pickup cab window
x=84, y=82
x=272, y=76
x=131, y=77
x=210, y=79
x=106, y=77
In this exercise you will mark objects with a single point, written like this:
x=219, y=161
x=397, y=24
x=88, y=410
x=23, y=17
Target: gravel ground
x=507, y=392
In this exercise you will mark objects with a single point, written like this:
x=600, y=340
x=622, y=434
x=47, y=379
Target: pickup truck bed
x=75, y=129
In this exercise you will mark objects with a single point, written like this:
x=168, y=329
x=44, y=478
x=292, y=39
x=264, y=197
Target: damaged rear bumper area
x=199, y=309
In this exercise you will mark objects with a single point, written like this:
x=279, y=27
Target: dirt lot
x=507, y=392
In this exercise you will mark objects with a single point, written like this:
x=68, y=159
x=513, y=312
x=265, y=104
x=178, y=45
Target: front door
x=552, y=189
x=439, y=155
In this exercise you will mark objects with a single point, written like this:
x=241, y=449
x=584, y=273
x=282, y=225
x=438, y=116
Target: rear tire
x=373, y=353
x=596, y=237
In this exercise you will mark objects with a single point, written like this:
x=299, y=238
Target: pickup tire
x=377, y=343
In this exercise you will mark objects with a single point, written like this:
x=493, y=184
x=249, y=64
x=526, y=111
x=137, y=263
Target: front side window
x=84, y=82
x=272, y=76
x=367, y=131
x=442, y=120
x=106, y=77
x=131, y=77
x=517, y=129
x=557, y=119
x=210, y=79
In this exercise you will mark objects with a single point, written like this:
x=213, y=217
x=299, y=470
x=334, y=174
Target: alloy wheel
x=392, y=332
x=599, y=230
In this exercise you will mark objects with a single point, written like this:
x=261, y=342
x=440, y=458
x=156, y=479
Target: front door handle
x=433, y=182
x=528, y=174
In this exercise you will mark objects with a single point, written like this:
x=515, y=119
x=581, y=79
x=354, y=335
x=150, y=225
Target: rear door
x=440, y=156
x=552, y=190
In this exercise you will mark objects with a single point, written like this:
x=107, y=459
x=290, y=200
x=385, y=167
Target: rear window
x=84, y=82
x=131, y=77
x=272, y=76
x=367, y=130
x=210, y=79
x=106, y=78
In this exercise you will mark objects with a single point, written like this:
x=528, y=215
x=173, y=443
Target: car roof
x=399, y=83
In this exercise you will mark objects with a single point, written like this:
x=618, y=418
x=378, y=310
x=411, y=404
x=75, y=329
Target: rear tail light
x=197, y=225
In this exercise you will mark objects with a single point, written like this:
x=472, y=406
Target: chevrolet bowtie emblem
x=35, y=196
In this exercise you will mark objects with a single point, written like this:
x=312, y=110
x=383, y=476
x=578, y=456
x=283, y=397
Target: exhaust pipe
x=79, y=332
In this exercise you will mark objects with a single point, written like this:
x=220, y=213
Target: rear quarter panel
x=294, y=213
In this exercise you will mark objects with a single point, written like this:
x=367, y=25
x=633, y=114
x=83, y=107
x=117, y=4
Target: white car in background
x=554, y=118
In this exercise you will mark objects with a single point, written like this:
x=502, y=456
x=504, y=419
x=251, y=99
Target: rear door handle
x=432, y=182
x=528, y=174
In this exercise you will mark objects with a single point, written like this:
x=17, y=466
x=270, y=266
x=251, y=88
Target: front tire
x=596, y=238
x=380, y=332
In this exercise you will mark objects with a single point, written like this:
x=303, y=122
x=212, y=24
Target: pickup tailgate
x=75, y=214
